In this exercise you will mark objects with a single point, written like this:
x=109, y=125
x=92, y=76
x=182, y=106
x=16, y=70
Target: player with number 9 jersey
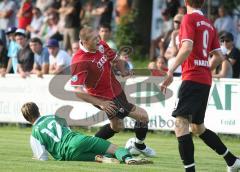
x=198, y=29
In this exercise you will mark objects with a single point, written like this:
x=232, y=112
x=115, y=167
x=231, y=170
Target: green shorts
x=85, y=148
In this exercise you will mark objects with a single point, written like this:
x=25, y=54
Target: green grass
x=15, y=155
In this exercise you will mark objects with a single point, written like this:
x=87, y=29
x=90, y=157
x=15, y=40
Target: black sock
x=190, y=169
x=105, y=132
x=186, y=150
x=141, y=130
x=214, y=142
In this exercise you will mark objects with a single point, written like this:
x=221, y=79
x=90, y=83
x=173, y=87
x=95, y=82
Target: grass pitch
x=15, y=155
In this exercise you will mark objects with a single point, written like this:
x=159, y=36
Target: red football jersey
x=93, y=70
x=198, y=29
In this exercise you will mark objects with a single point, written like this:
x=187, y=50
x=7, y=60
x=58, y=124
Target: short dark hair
x=30, y=111
x=36, y=40
x=105, y=25
x=195, y=3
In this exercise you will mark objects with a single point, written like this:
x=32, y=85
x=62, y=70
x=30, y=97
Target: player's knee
x=197, y=129
x=117, y=127
x=181, y=126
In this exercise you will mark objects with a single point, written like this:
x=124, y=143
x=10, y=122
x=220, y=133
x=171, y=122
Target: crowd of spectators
x=40, y=36
x=166, y=45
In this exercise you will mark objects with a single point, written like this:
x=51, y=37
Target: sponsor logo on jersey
x=101, y=62
x=74, y=78
x=101, y=48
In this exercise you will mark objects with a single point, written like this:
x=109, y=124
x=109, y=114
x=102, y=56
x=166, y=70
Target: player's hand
x=167, y=81
x=109, y=107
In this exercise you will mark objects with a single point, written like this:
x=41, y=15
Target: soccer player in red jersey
x=95, y=82
x=198, y=40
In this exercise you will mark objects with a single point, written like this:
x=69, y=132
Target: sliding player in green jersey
x=51, y=134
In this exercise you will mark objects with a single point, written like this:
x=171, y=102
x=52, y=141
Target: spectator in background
x=72, y=22
x=87, y=18
x=25, y=55
x=182, y=10
x=3, y=59
x=7, y=14
x=105, y=32
x=233, y=54
x=173, y=46
x=104, y=10
x=123, y=7
x=44, y=4
x=172, y=7
x=36, y=23
x=224, y=22
x=41, y=57
x=223, y=70
x=59, y=59
x=160, y=44
x=25, y=14
x=75, y=47
x=13, y=49
x=50, y=28
x=158, y=67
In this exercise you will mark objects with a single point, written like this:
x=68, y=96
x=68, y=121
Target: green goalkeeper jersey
x=51, y=133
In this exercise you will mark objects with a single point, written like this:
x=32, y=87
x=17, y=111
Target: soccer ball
x=131, y=147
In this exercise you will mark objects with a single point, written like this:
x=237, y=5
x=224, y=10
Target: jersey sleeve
x=39, y=151
x=110, y=53
x=79, y=72
x=187, y=29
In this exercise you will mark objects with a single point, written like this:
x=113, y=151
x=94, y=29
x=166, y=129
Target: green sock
x=121, y=154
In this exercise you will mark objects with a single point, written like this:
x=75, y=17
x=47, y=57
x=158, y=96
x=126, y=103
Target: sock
x=122, y=154
x=141, y=130
x=214, y=142
x=186, y=150
x=105, y=132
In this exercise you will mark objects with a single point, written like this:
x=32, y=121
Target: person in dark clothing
x=3, y=59
x=104, y=10
x=233, y=54
x=25, y=56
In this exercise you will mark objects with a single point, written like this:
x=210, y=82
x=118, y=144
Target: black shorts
x=192, y=101
x=123, y=106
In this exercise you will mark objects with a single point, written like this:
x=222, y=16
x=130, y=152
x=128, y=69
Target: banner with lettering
x=54, y=95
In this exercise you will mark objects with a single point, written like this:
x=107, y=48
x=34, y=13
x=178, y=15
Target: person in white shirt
x=7, y=14
x=59, y=60
x=37, y=22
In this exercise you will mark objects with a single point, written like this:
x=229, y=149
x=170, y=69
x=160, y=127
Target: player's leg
x=109, y=130
x=214, y=142
x=123, y=155
x=185, y=143
x=94, y=149
x=141, y=129
x=185, y=106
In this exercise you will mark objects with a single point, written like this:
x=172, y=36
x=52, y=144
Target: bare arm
x=217, y=58
x=9, y=66
x=224, y=70
x=182, y=55
x=45, y=68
